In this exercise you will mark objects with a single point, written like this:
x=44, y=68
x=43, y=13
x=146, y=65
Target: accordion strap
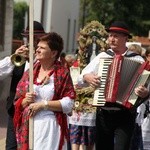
x=128, y=53
x=131, y=54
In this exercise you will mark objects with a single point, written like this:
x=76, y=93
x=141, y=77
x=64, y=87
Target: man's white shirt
x=6, y=67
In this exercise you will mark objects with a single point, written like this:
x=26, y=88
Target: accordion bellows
x=119, y=77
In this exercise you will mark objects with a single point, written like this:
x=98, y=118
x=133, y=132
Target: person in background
x=52, y=99
x=144, y=116
x=135, y=48
x=62, y=58
x=82, y=120
x=136, y=142
x=17, y=73
x=147, y=54
x=82, y=127
x=114, y=123
x=70, y=59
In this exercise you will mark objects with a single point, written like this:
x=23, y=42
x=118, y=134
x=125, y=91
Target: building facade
x=6, y=27
x=61, y=16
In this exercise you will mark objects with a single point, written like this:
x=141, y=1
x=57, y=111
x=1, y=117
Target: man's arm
x=89, y=75
x=6, y=67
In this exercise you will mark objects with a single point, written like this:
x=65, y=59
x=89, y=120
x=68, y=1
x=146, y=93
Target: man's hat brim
x=38, y=29
x=119, y=30
x=26, y=33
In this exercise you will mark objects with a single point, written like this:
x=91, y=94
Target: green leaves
x=134, y=12
x=20, y=8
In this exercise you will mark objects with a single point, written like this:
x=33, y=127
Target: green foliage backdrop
x=20, y=8
x=134, y=12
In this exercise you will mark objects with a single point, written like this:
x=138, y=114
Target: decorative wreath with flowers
x=84, y=99
x=94, y=28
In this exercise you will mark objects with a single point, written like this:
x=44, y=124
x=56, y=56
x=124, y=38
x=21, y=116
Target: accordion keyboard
x=119, y=77
x=99, y=94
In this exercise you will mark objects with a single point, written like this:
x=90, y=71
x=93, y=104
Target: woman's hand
x=141, y=91
x=35, y=107
x=29, y=98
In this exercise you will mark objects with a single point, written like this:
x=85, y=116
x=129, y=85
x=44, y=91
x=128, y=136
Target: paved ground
x=4, y=92
x=2, y=144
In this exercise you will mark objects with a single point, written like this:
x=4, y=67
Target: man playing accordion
x=114, y=123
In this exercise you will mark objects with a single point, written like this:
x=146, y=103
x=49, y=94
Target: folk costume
x=16, y=76
x=91, y=40
x=111, y=118
x=50, y=128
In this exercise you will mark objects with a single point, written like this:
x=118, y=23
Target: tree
x=134, y=12
x=20, y=8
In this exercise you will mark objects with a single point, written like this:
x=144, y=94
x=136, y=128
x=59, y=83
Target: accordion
x=119, y=77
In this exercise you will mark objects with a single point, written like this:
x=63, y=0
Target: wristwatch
x=46, y=104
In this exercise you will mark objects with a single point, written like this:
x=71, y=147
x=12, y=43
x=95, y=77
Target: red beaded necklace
x=45, y=80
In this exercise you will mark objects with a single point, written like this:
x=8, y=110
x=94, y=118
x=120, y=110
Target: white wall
x=55, y=18
x=69, y=10
x=8, y=29
x=5, y=84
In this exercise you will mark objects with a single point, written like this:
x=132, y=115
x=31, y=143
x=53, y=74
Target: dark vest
x=16, y=76
x=128, y=54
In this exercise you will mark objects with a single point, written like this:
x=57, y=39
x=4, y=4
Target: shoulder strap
x=128, y=54
x=131, y=54
x=109, y=52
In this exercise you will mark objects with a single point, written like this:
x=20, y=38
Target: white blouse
x=46, y=128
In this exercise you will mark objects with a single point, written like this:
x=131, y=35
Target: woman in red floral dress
x=52, y=99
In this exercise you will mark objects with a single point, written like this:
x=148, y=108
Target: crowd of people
x=56, y=125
